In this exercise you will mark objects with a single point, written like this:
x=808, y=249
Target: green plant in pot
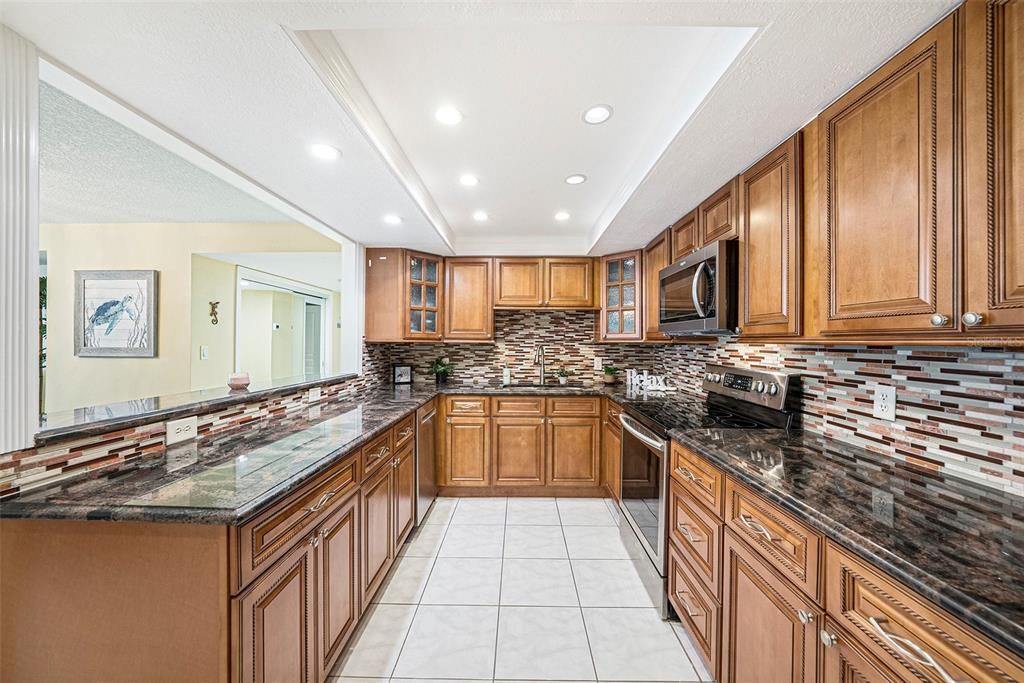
x=611, y=374
x=563, y=375
x=442, y=369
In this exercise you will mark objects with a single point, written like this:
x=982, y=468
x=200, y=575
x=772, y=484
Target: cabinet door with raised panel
x=657, y=255
x=378, y=530
x=423, y=304
x=684, y=236
x=770, y=243
x=718, y=215
x=620, y=297
x=273, y=621
x=612, y=445
x=993, y=144
x=573, y=451
x=469, y=300
x=518, y=451
x=518, y=282
x=467, y=451
x=569, y=282
x=337, y=577
x=405, y=494
x=764, y=637
x=886, y=178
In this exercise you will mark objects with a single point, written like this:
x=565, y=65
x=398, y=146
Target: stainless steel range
x=737, y=398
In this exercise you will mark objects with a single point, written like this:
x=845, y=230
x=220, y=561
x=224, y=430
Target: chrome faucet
x=538, y=359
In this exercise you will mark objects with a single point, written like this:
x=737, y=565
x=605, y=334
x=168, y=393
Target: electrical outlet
x=881, y=506
x=181, y=430
x=204, y=352
x=314, y=395
x=885, y=403
x=598, y=363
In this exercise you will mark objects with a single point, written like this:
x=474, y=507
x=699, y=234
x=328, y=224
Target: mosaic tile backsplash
x=958, y=409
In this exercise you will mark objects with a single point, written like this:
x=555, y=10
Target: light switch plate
x=885, y=403
x=598, y=363
x=204, y=352
x=181, y=430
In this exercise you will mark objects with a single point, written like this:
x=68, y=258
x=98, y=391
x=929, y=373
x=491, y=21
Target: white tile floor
x=517, y=589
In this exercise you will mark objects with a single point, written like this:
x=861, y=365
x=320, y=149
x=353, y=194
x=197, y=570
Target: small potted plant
x=441, y=368
x=563, y=375
x=611, y=374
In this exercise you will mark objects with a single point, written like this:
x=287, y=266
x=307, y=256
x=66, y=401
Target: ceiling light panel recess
x=449, y=116
x=392, y=219
x=576, y=179
x=599, y=113
x=562, y=216
x=468, y=179
x=480, y=216
x=325, y=152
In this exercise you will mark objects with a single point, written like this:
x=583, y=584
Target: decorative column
x=19, y=241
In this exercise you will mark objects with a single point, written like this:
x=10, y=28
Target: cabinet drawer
x=699, y=612
x=786, y=544
x=574, y=406
x=376, y=452
x=518, y=406
x=846, y=661
x=405, y=431
x=705, y=481
x=475, y=406
x=612, y=412
x=698, y=534
x=904, y=632
x=259, y=542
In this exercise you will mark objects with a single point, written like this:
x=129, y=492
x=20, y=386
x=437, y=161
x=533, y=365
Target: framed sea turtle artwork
x=115, y=313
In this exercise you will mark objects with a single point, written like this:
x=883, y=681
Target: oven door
x=642, y=479
x=687, y=293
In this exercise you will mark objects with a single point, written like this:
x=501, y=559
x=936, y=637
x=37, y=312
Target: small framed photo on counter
x=401, y=374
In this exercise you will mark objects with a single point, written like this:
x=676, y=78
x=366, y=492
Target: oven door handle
x=634, y=428
x=693, y=289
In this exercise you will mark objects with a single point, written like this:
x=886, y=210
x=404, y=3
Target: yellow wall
x=212, y=280
x=165, y=247
x=256, y=315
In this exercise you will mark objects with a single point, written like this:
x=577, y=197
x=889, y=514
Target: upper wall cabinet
x=384, y=295
x=468, y=306
x=621, y=318
x=404, y=296
x=717, y=215
x=685, y=237
x=887, y=195
x=657, y=255
x=770, y=241
x=993, y=141
x=543, y=282
x=423, y=277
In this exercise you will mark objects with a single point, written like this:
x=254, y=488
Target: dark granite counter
x=958, y=543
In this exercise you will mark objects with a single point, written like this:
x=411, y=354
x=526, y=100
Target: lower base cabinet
x=846, y=662
x=405, y=495
x=698, y=610
x=467, y=451
x=378, y=530
x=518, y=451
x=770, y=629
x=337, y=572
x=612, y=446
x=574, y=451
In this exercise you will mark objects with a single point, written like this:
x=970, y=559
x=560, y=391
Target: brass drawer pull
x=405, y=432
x=756, y=527
x=685, y=529
x=465, y=405
x=320, y=503
x=690, y=475
x=909, y=649
x=384, y=450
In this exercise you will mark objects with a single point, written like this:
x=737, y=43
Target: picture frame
x=116, y=313
x=401, y=374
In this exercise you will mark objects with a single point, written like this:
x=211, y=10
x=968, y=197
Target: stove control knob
x=708, y=376
x=773, y=388
x=715, y=377
x=759, y=387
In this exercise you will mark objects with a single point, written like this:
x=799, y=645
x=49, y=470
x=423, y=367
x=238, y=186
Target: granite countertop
x=958, y=543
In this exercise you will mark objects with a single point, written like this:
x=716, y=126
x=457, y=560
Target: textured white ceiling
x=227, y=77
x=94, y=170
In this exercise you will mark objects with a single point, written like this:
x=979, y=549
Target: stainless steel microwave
x=698, y=293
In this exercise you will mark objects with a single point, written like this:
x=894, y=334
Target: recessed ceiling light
x=562, y=216
x=468, y=179
x=575, y=179
x=449, y=116
x=392, y=219
x=599, y=113
x=480, y=216
x=326, y=152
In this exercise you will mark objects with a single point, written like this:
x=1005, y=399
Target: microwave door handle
x=696, y=281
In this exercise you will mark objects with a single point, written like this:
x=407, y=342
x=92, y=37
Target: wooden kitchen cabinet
x=699, y=610
x=718, y=215
x=423, y=304
x=886, y=195
x=404, y=296
x=518, y=444
x=469, y=299
x=274, y=621
x=621, y=311
x=685, y=237
x=770, y=199
x=573, y=454
x=569, y=282
x=844, y=661
x=467, y=451
x=562, y=282
x=404, y=474
x=518, y=282
x=378, y=530
x=764, y=637
x=338, y=602
x=611, y=444
x=994, y=167
x=657, y=255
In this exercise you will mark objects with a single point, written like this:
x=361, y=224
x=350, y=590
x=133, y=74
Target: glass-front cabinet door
x=423, y=291
x=620, y=297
